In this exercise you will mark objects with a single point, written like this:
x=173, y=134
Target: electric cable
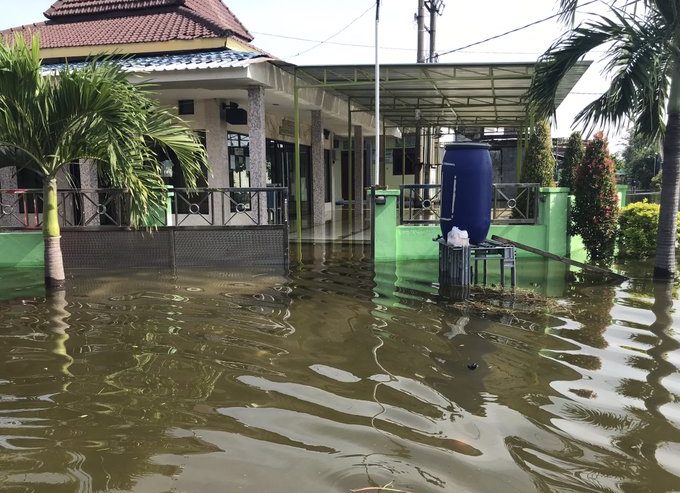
x=337, y=33
x=512, y=31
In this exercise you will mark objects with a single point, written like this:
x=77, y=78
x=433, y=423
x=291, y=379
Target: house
x=247, y=105
x=202, y=61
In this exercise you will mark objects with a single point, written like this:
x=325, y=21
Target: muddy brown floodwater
x=337, y=376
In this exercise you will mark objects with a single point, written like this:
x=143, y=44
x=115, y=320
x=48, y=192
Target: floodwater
x=339, y=376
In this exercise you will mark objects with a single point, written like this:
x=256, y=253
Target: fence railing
x=111, y=208
x=515, y=203
x=653, y=197
x=512, y=203
x=419, y=204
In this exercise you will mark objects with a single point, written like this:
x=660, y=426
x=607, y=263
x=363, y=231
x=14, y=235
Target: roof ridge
x=206, y=22
x=66, y=8
x=238, y=21
x=191, y=5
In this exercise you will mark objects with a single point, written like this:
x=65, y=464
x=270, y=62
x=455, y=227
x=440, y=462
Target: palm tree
x=642, y=38
x=48, y=121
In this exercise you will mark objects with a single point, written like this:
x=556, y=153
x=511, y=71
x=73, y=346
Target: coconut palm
x=49, y=120
x=642, y=39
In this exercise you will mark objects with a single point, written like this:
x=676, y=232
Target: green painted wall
x=395, y=242
x=21, y=249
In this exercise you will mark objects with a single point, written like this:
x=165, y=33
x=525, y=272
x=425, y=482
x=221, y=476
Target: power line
x=512, y=31
x=396, y=48
x=459, y=49
x=337, y=33
x=337, y=43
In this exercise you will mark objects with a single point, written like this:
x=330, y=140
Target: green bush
x=573, y=157
x=638, y=224
x=596, y=208
x=539, y=162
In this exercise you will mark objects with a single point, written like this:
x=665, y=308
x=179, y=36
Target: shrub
x=539, y=162
x=638, y=224
x=596, y=208
x=573, y=157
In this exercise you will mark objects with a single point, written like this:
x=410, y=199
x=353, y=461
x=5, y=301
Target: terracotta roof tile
x=65, y=8
x=74, y=23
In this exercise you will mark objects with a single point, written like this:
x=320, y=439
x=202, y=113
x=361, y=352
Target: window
x=185, y=107
x=184, y=200
x=239, y=168
x=397, y=157
x=28, y=179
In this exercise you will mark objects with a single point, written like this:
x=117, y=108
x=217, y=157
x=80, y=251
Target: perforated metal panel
x=168, y=248
x=116, y=249
x=264, y=245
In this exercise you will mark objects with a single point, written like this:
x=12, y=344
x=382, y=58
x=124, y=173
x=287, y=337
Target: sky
x=274, y=22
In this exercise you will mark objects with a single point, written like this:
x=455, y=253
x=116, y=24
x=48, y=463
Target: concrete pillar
x=318, y=171
x=66, y=202
x=358, y=169
x=216, y=145
x=217, y=148
x=89, y=180
x=8, y=178
x=8, y=202
x=258, y=146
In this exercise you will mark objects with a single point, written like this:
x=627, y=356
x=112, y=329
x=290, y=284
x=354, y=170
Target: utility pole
x=376, y=164
x=435, y=8
x=420, y=58
x=420, y=20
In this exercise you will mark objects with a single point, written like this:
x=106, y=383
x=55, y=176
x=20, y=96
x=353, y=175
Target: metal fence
x=419, y=204
x=111, y=208
x=515, y=203
x=512, y=203
x=653, y=197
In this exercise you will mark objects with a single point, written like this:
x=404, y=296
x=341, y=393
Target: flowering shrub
x=638, y=224
x=596, y=208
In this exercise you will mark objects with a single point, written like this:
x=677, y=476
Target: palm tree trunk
x=54, y=263
x=665, y=262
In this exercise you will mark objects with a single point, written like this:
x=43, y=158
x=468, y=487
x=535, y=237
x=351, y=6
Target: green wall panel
x=19, y=249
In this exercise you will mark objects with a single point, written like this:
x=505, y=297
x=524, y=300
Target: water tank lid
x=468, y=145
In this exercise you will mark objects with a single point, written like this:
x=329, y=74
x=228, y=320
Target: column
x=8, y=202
x=358, y=169
x=89, y=180
x=318, y=171
x=66, y=201
x=8, y=178
x=216, y=145
x=217, y=148
x=258, y=147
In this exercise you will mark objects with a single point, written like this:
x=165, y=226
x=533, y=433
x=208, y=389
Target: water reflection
x=343, y=375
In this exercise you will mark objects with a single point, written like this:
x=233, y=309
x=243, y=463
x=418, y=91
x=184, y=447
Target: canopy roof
x=439, y=95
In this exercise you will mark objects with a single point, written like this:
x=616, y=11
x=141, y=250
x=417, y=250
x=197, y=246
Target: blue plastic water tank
x=467, y=187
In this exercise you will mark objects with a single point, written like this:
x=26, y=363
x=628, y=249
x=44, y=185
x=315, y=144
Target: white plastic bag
x=458, y=238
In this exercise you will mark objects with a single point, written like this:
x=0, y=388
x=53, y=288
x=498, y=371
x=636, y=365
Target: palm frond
x=568, y=10
x=561, y=57
x=91, y=113
x=639, y=62
x=669, y=9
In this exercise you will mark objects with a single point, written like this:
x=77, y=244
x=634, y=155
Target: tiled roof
x=66, y=8
x=75, y=23
x=210, y=59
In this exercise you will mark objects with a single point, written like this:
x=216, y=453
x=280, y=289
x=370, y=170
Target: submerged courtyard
x=342, y=375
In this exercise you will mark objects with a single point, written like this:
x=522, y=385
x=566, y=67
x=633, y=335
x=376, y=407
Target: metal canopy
x=438, y=95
